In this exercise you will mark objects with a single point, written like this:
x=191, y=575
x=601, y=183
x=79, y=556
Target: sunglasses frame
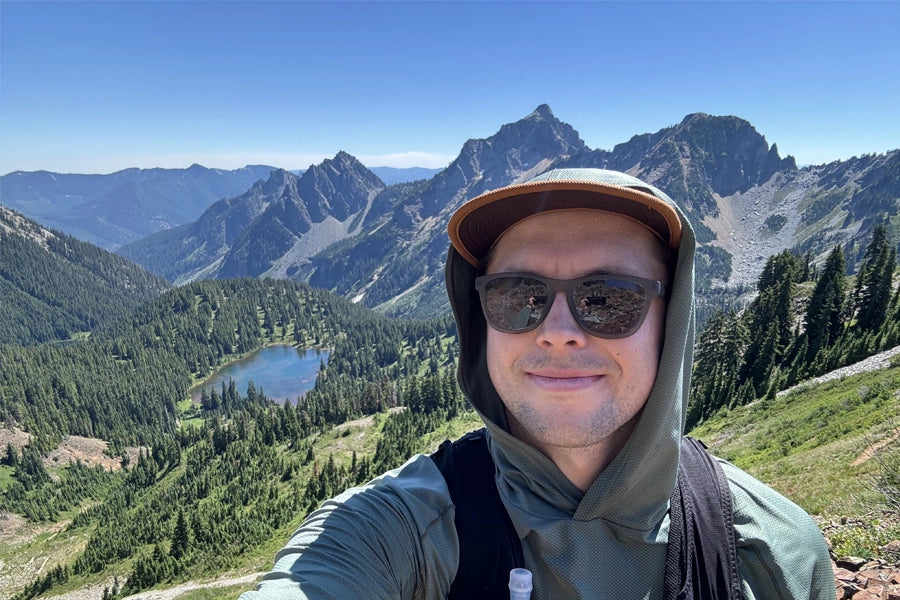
x=651, y=287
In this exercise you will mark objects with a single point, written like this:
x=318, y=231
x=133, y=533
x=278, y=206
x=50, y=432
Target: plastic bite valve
x=520, y=584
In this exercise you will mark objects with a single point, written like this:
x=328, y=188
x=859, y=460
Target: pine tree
x=718, y=360
x=11, y=457
x=30, y=470
x=825, y=312
x=180, y=537
x=872, y=294
x=769, y=321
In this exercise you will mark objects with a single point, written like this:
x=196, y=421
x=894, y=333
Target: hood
x=631, y=494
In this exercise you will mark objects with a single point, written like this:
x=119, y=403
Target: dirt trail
x=95, y=592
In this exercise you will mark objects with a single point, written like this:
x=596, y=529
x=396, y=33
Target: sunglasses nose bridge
x=560, y=324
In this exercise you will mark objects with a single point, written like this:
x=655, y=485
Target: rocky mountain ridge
x=247, y=234
x=338, y=226
x=745, y=201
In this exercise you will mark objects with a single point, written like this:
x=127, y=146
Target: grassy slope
x=810, y=444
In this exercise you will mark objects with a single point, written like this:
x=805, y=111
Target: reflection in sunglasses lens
x=603, y=306
x=610, y=306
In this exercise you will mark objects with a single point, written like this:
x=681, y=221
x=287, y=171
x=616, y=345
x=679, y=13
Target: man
x=579, y=364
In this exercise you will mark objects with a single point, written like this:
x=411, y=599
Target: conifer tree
x=10, y=457
x=769, y=321
x=825, y=312
x=718, y=360
x=180, y=537
x=30, y=470
x=873, y=285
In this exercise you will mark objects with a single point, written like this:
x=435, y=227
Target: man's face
x=561, y=386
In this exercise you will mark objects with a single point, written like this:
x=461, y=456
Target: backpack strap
x=701, y=560
x=489, y=546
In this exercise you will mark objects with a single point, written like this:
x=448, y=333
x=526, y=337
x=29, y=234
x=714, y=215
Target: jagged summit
x=338, y=226
x=247, y=234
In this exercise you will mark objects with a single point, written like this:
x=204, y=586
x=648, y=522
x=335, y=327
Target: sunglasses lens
x=515, y=303
x=610, y=307
x=605, y=307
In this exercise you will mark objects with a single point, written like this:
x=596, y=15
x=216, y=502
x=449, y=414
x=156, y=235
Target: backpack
x=701, y=558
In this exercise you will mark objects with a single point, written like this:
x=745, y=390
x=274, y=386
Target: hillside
x=242, y=469
x=123, y=384
x=54, y=287
x=828, y=471
x=817, y=444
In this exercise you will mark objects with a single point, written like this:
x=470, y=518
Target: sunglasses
x=604, y=305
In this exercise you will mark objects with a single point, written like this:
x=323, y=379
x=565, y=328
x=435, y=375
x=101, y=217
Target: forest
x=62, y=287
x=218, y=480
x=802, y=323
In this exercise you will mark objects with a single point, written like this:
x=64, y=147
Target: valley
x=111, y=476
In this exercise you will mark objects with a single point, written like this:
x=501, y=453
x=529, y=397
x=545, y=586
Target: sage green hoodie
x=395, y=537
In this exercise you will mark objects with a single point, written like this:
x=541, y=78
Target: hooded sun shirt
x=395, y=537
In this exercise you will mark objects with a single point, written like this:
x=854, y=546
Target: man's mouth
x=563, y=380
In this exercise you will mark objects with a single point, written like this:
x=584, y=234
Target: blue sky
x=100, y=86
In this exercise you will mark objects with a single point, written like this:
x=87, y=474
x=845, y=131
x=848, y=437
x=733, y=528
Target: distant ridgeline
x=339, y=226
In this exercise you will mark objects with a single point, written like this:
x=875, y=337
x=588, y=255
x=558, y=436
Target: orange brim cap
x=478, y=223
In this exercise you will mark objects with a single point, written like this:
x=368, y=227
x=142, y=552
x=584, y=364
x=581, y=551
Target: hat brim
x=478, y=223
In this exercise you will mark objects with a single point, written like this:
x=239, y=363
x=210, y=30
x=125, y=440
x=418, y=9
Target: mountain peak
x=543, y=111
x=729, y=152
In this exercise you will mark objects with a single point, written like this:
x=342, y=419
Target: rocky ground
x=860, y=579
x=882, y=360
x=740, y=226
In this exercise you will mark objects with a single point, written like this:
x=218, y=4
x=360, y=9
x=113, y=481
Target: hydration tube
x=520, y=584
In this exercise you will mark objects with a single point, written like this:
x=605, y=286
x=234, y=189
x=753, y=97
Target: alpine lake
x=283, y=373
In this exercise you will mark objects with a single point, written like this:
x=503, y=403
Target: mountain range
x=339, y=226
x=111, y=210
x=125, y=206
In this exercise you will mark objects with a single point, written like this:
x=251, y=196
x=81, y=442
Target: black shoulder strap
x=701, y=561
x=488, y=544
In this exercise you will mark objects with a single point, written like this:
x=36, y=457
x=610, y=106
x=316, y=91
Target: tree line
x=207, y=495
x=779, y=340
x=123, y=384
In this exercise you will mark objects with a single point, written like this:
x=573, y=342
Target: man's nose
x=559, y=327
